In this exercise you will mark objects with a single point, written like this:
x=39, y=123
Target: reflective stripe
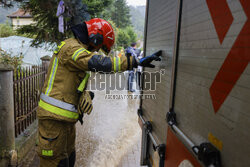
x=83, y=83
x=48, y=153
x=58, y=103
x=117, y=66
x=78, y=52
x=59, y=47
x=87, y=51
x=114, y=64
x=58, y=111
x=52, y=76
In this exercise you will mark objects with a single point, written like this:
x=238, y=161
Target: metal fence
x=27, y=86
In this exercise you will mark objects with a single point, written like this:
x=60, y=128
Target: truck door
x=204, y=92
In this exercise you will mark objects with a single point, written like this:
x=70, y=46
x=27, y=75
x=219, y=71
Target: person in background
x=139, y=71
x=133, y=52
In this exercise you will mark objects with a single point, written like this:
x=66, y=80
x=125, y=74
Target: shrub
x=6, y=58
x=6, y=30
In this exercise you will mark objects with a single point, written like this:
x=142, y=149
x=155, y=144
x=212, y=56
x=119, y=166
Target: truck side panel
x=203, y=51
x=212, y=95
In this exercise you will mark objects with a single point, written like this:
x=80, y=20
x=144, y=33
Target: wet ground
x=110, y=136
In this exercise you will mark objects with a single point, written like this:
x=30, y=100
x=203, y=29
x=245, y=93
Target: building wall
x=21, y=21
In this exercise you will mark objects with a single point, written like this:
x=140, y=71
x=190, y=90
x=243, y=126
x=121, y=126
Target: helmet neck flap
x=80, y=32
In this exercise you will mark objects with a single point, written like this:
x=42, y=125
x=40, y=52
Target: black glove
x=146, y=61
x=92, y=95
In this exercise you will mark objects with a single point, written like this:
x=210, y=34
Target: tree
x=96, y=7
x=122, y=39
x=132, y=35
x=9, y=3
x=107, y=12
x=45, y=28
x=138, y=19
x=120, y=14
x=125, y=37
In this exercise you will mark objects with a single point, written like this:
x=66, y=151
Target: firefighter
x=61, y=105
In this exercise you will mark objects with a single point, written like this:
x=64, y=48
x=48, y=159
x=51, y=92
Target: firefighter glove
x=85, y=104
x=146, y=61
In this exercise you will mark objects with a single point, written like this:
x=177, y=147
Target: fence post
x=45, y=62
x=7, y=125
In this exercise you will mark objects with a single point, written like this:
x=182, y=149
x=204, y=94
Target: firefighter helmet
x=101, y=34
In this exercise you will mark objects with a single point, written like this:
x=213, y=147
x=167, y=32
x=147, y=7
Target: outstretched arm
x=77, y=57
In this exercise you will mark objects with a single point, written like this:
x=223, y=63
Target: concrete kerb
x=25, y=143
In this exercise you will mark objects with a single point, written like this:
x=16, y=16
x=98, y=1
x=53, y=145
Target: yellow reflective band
x=58, y=111
x=78, y=52
x=88, y=52
x=114, y=64
x=119, y=63
x=48, y=153
x=84, y=82
x=52, y=76
x=59, y=47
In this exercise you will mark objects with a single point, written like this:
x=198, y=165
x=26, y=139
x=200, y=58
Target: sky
x=136, y=2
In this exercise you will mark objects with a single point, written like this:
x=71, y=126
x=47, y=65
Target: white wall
x=21, y=21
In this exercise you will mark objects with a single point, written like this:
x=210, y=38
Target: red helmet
x=101, y=34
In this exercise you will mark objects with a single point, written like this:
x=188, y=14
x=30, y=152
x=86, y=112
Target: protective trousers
x=56, y=143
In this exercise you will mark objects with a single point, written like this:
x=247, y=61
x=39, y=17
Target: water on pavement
x=109, y=133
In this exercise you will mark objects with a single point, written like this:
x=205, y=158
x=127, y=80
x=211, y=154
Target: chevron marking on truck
x=238, y=57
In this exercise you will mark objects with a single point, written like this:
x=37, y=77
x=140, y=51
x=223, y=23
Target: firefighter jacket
x=69, y=64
